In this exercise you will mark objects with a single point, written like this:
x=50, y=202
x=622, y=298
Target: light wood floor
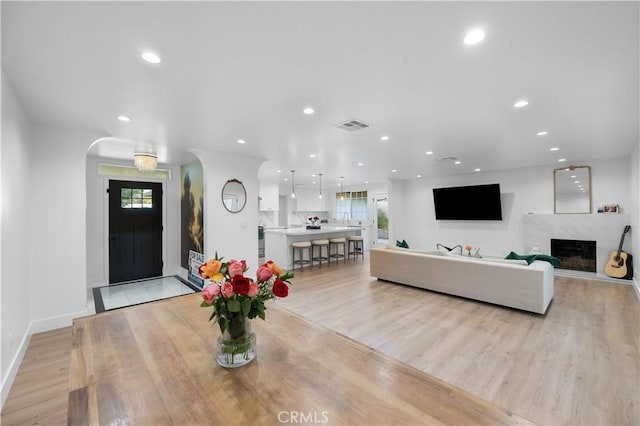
x=577, y=365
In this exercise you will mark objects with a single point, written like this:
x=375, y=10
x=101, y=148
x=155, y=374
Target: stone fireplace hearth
x=577, y=255
x=603, y=228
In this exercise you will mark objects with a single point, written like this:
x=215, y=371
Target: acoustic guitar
x=620, y=264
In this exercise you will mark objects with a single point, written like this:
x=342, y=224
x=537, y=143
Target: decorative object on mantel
x=468, y=248
x=236, y=300
x=402, y=244
x=611, y=208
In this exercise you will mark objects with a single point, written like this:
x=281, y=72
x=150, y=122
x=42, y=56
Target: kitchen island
x=278, y=241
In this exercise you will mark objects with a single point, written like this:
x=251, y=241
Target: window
x=136, y=198
x=351, y=205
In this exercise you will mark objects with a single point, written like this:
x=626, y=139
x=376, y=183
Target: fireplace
x=577, y=255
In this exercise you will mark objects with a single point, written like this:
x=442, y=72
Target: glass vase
x=237, y=345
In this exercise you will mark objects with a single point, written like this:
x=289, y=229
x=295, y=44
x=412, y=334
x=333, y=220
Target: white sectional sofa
x=508, y=283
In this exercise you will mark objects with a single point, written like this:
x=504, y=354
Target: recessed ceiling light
x=394, y=170
x=286, y=179
x=360, y=164
x=429, y=152
x=562, y=160
x=542, y=133
x=418, y=176
x=124, y=118
x=366, y=181
x=474, y=36
x=241, y=141
x=554, y=149
x=313, y=175
x=384, y=138
x=576, y=181
x=278, y=171
x=457, y=162
x=573, y=176
x=476, y=170
x=308, y=110
x=521, y=103
x=312, y=156
x=151, y=57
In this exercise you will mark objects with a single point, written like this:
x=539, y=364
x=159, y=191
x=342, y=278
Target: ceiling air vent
x=353, y=125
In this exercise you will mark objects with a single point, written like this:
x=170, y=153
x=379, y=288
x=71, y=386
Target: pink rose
x=235, y=268
x=264, y=273
x=210, y=292
x=253, y=289
x=227, y=289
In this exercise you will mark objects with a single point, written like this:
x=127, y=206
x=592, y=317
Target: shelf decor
x=236, y=300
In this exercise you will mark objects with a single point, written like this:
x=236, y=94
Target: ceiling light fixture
x=124, y=118
x=521, y=103
x=384, y=138
x=474, y=36
x=360, y=164
x=241, y=141
x=476, y=170
x=429, y=152
x=457, y=162
x=145, y=161
x=151, y=57
x=342, y=187
x=542, y=133
x=554, y=149
x=320, y=182
x=293, y=187
x=312, y=156
x=394, y=170
x=418, y=176
x=308, y=110
x=562, y=160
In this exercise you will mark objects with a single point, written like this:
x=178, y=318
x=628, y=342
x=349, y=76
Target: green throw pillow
x=402, y=244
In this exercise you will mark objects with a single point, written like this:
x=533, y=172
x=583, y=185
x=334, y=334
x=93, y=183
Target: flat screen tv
x=477, y=202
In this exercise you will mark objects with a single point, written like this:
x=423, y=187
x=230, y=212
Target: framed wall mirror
x=572, y=189
x=234, y=196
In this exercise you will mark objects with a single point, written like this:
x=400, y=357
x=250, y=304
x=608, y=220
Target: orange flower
x=468, y=247
x=211, y=270
x=274, y=268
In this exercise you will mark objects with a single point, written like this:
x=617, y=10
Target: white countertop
x=326, y=229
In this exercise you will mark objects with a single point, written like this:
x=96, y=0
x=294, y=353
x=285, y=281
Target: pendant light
x=342, y=187
x=293, y=187
x=320, y=180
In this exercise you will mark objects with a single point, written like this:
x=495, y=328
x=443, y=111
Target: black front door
x=135, y=230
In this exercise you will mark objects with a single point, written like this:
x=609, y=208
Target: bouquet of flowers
x=234, y=296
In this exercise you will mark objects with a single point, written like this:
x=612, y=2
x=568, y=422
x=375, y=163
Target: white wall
x=232, y=235
x=523, y=191
x=98, y=220
x=634, y=210
x=14, y=255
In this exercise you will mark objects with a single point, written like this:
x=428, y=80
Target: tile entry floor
x=141, y=291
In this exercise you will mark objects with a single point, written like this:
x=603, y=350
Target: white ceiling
x=247, y=69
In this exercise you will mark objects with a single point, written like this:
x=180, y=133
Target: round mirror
x=234, y=196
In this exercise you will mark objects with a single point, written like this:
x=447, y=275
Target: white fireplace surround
x=603, y=228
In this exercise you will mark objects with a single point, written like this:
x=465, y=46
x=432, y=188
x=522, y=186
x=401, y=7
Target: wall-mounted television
x=477, y=202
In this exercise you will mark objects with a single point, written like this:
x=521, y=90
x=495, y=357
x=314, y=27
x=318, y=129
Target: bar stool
x=337, y=242
x=356, y=246
x=320, y=258
x=300, y=247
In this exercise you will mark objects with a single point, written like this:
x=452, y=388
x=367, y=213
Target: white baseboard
x=636, y=287
x=37, y=326
x=7, y=381
x=53, y=323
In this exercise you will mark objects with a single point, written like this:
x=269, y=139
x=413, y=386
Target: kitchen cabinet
x=268, y=197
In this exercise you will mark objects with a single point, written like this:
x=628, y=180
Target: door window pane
x=136, y=198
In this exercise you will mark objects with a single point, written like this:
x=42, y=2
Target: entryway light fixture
x=293, y=186
x=145, y=161
x=342, y=187
x=320, y=180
